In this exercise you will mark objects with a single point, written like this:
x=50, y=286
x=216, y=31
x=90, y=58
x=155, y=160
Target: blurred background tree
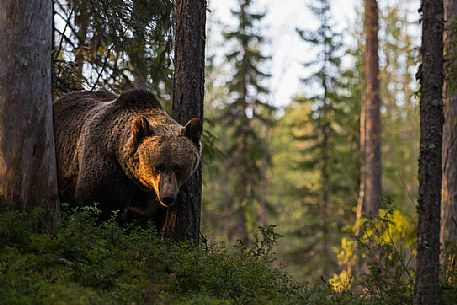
x=247, y=117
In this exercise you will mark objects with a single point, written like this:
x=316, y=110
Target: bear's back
x=97, y=117
x=72, y=111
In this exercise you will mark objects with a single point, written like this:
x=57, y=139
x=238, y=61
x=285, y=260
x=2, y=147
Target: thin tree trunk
x=137, y=48
x=370, y=125
x=430, y=160
x=183, y=219
x=82, y=22
x=360, y=200
x=369, y=198
x=27, y=156
x=324, y=211
x=449, y=188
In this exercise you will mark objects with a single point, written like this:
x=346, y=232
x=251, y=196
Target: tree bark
x=430, y=160
x=183, y=219
x=449, y=187
x=27, y=156
x=370, y=125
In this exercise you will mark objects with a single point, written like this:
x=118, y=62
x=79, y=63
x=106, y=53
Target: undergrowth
x=90, y=262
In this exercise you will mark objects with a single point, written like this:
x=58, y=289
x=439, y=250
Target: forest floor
x=92, y=262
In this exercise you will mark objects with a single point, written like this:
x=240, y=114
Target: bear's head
x=166, y=160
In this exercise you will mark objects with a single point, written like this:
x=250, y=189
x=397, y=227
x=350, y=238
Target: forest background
x=288, y=192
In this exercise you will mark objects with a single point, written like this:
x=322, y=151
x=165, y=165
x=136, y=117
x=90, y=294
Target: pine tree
x=430, y=161
x=449, y=189
x=370, y=124
x=183, y=218
x=246, y=114
x=28, y=176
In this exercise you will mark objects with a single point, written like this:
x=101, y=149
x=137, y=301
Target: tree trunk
x=82, y=22
x=431, y=114
x=137, y=47
x=27, y=156
x=183, y=219
x=449, y=188
x=370, y=125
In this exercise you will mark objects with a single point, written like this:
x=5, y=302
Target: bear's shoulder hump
x=138, y=98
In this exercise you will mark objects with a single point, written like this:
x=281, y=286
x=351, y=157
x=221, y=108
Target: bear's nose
x=167, y=199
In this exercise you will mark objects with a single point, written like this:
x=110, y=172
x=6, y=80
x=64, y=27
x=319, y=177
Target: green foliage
x=449, y=273
x=262, y=247
x=387, y=244
x=92, y=262
x=107, y=43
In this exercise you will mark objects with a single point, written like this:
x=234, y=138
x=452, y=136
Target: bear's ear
x=193, y=130
x=141, y=128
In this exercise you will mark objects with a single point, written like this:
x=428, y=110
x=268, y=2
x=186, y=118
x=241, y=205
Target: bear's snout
x=167, y=199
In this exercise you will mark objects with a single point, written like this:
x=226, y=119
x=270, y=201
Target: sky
x=288, y=51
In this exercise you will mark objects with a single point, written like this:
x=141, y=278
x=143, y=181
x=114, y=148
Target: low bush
x=91, y=262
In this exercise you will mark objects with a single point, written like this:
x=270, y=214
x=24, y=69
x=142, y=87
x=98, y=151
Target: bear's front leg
x=110, y=193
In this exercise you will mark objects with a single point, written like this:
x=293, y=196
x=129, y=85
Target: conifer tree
x=449, y=188
x=246, y=114
x=370, y=123
x=325, y=146
x=431, y=126
x=28, y=176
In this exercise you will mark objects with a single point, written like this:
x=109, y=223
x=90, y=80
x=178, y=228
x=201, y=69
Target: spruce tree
x=325, y=147
x=247, y=116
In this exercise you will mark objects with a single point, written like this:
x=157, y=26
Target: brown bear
x=123, y=152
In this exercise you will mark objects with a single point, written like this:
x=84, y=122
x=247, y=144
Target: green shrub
x=91, y=262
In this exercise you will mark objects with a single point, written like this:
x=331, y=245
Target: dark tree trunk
x=370, y=125
x=431, y=121
x=183, y=219
x=449, y=188
x=27, y=156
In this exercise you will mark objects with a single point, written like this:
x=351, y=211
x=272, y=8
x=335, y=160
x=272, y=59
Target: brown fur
x=123, y=152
